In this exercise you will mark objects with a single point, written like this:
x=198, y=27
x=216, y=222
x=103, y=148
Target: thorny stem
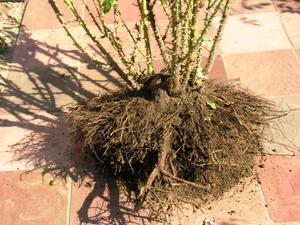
x=201, y=40
x=64, y=24
x=217, y=38
x=157, y=35
x=185, y=28
x=166, y=9
x=108, y=57
x=114, y=40
x=193, y=39
x=134, y=40
x=182, y=56
x=96, y=4
x=175, y=25
x=130, y=67
x=206, y=27
x=144, y=18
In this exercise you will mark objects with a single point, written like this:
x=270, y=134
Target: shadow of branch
x=50, y=149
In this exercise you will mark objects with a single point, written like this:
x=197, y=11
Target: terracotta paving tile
x=240, y=206
x=47, y=48
x=37, y=141
x=7, y=163
x=253, y=33
x=44, y=70
x=287, y=6
x=29, y=200
x=280, y=181
x=287, y=102
x=101, y=204
x=291, y=23
x=42, y=88
x=93, y=49
x=94, y=81
x=250, y=6
x=268, y=74
x=285, y=132
x=40, y=15
x=218, y=71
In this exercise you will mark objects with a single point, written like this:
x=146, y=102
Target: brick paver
x=242, y=205
x=284, y=134
x=49, y=47
x=29, y=200
x=280, y=179
x=32, y=142
x=39, y=15
x=257, y=32
x=102, y=203
x=271, y=73
x=290, y=21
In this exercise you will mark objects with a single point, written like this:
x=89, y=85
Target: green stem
x=201, y=38
x=185, y=29
x=114, y=40
x=193, y=38
x=145, y=22
x=74, y=39
x=108, y=57
x=175, y=24
x=212, y=53
x=134, y=40
x=158, y=37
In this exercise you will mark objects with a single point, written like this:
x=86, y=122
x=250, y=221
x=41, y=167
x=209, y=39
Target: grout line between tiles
x=69, y=184
x=288, y=37
x=266, y=211
x=225, y=67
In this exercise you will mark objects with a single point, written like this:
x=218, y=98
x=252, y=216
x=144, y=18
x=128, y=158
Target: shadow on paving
x=283, y=6
x=292, y=6
x=48, y=149
x=30, y=96
x=29, y=101
x=33, y=84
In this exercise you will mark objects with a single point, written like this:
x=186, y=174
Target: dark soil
x=189, y=148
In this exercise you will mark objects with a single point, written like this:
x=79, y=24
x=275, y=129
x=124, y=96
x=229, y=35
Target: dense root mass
x=166, y=149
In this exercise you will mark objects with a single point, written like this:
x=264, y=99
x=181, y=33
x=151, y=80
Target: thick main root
x=195, y=145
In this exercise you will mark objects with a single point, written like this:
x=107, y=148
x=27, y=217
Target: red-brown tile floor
x=260, y=46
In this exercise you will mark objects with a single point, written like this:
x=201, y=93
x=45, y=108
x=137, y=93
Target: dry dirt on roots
x=173, y=149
